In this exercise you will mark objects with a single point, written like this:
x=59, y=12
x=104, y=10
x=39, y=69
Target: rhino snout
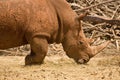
x=82, y=61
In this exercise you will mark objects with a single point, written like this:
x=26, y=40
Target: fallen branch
x=99, y=19
x=117, y=45
x=115, y=12
x=6, y=52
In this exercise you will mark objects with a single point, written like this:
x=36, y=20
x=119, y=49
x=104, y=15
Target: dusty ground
x=105, y=66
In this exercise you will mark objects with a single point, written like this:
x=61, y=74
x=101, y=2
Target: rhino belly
x=9, y=39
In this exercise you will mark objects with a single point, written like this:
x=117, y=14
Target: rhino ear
x=81, y=16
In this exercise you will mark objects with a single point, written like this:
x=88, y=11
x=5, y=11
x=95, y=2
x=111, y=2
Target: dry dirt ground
x=104, y=66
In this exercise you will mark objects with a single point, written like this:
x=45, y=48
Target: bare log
x=98, y=19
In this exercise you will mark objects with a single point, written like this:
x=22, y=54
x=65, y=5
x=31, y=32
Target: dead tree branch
x=97, y=20
x=95, y=5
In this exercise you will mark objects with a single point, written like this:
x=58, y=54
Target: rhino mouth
x=82, y=61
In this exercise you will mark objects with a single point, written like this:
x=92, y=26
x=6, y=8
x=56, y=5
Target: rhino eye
x=80, y=42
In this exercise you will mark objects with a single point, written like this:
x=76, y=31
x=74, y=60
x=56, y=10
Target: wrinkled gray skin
x=39, y=23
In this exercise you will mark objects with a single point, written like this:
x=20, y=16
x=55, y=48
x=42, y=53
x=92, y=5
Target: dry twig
x=99, y=19
x=95, y=5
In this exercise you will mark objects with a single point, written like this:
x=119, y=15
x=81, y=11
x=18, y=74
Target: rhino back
x=22, y=19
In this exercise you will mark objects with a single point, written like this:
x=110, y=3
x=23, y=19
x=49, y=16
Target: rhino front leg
x=39, y=48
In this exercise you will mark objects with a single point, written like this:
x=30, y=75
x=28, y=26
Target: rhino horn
x=97, y=49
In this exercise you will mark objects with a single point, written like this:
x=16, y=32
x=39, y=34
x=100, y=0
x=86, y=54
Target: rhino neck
x=57, y=5
x=60, y=32
x=65, y=16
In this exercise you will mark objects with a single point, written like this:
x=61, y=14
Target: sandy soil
x=104, y=66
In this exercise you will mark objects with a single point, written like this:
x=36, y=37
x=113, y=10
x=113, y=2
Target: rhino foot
x=29, y=60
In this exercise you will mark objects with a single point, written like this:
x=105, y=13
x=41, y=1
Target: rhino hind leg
x=39, y=48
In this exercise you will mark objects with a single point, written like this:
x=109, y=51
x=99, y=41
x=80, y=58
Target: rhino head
x=77, y=46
